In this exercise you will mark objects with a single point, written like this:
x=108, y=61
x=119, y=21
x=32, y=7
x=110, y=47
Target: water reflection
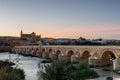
x=28, y=64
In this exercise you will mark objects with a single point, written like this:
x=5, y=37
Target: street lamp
x=40, y=43
x=111, y=61
x=95, y=61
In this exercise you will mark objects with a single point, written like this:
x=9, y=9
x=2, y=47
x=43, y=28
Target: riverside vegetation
x=7, y=72
x=61, y=70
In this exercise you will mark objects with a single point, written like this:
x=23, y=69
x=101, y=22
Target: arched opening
x=107, y=55
x=54, y=55
x=85, y=55
x=57, y=53
x=36, y=50
x=50, y=50
x=28, y=48
x=43, y=50
x=106, y=58
x=70, y=53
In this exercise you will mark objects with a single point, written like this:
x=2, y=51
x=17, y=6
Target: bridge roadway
x=96, y=55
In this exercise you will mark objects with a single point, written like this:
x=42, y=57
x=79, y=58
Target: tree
x=67, y=71
x=55, y=71
x=82, y=71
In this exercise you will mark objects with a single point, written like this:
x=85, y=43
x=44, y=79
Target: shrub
x=60, y=70
x=6, y=63
x=55, y=71
x=109, y=78
x=82, y=71
x=16, y=74
x=9, y=73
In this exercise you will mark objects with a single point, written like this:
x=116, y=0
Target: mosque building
x=29, y=39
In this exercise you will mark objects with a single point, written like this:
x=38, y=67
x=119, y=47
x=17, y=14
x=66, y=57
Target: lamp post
x=111, y=61
x=40, y=43
x=95, y=61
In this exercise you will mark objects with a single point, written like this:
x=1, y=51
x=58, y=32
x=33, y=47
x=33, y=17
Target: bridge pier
x=53, y=56
x=93, y=61
x=39, y=54
x=116, y=64
x=45, y=54
x=75, y=58
x=63, y=57
x=68, y=53
x=32, y=52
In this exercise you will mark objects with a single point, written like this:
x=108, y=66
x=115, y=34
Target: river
x=28, y=64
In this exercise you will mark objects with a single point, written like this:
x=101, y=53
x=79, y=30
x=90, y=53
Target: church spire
x=21, y=33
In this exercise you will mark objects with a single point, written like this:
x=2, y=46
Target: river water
x=28, y=64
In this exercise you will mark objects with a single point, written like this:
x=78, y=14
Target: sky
x=61, y=18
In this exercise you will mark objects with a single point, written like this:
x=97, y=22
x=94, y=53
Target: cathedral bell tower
x=21, y=33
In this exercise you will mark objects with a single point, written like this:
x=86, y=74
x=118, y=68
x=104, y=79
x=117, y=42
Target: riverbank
x=7, y=72
x=28, y=64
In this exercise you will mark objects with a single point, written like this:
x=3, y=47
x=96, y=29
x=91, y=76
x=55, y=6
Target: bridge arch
x=37, y=49
x=108, y=54
x=105, y=57
x=58, y=52
x=85, y=55
x=70, y=53
x=55, y=55
x=108, y=51
x=45, y=53
x=50, y=50
x=43, y=49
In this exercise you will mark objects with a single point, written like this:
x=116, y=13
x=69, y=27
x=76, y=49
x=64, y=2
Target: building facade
x=29, y=39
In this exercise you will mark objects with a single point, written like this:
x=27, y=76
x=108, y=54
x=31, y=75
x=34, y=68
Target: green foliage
x=16, y=74
x=9, y=73
x=5, y=63
x=82, y=71
x=109, y=78
x=60, y=70
x=55, y=71
x=82, y=65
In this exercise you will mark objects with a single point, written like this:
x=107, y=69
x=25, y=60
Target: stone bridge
x=96, y=55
